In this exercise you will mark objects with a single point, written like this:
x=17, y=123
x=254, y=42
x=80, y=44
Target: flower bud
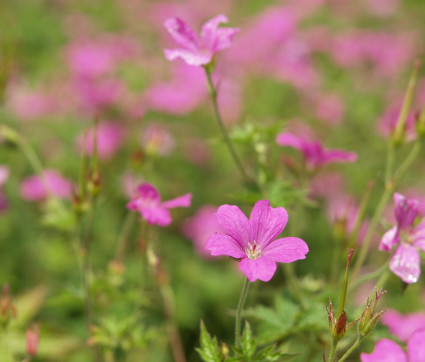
x=32, y=340
x=369, y=318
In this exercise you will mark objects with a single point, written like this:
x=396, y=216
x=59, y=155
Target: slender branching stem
x=239, y=308
x=352, y=348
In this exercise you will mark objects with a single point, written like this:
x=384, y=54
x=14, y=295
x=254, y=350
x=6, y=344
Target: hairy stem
x=239, y=308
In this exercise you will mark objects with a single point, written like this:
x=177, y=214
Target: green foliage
x=209, y=350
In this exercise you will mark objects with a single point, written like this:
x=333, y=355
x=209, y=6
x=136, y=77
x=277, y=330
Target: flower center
x=253, y=251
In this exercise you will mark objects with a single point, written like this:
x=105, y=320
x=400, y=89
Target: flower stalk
x=241, y=303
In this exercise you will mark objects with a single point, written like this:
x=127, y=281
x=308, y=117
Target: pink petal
x=290, y=140
x=405, y=263
x=190, y=57
x=416, y=346
x=418, y=236
x=215, y=38
x=331, y=156
x=182, y=33
x=389, y=239
x=234, y=222
x=266, y=223
x=148, y=192
x=402, y=326
x=4, y=174
x=385, y=350
x=224, y=38
x=221, y=244
x=286, y=250
x=181, y=201
x=406, y=210
x=261, y=268
x=156, y=215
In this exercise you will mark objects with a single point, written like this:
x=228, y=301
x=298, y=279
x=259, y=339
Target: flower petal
x=181, y=201
x=405, y=211
x=286, y=250
x=418, y=235
x=262, y=268
x=331, y=156
x=290, y=140
x=389, y=239
x=182, y=33
x=221, y=244
x=223, y=39
x=402, y=326
x=234, y=222
x=156, y=215
x=405, y=263
x=215, y=38
x=190, y=57
x=147, y=191
x=416, y=346
x=385, y=350
x=266, y=223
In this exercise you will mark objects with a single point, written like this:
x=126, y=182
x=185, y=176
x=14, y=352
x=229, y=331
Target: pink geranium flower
x=194, y=50
x=401, y=325
x=254, y=241
x=148, y=203
x=405, y=262
x=35, y=188
x=109, y=137
x=389, y=351
x=315, y=156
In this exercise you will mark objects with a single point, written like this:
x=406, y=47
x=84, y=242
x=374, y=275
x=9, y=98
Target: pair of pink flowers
x=408, y=237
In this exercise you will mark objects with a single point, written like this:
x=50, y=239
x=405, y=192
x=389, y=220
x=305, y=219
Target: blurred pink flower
x=254, y=241
x=402, y=326
x=315, y=156
x=383, y=8
x=181, y=94
x=4, y=175
x=200, y=226
x=329, y=108
x=405, y=262
x=148, y=203
x=130, y=183
x=109, y=139
x=389, y=351
x=157, y=140
x=32, y=338
x=35, y=188
x=388, y=123
x=199, y=51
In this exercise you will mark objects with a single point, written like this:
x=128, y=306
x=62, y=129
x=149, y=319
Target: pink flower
x=109, y=139
x=389, y=351
x=195, y=50
x=253, y=241
x=200, y=226
x=148, y=204
x=402, y=326
x=33, y=336
x=36, y=187
x=4, y=175
x=314, y=154
x=157, y=140
x=405, y=262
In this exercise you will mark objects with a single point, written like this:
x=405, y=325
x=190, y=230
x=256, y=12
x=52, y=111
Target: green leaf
x=209, y=350
x=248, y=342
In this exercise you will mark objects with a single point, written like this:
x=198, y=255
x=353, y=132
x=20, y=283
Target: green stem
x=213, y=95
x=407, y=162
x=351, y=350
x=239, y=308
x=333, y=351
x=123, y=236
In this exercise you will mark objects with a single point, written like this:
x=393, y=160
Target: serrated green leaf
x=248, y=342
x=209, y=350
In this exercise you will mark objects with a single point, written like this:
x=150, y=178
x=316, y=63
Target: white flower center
x=253, y=251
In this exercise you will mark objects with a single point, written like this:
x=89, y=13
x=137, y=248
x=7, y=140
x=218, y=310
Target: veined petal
x=266, y=223
x=223, y=39
x=234, y=222
x=416, y=346
x=262, y=268
x=181, y=201
x=418, y=235
x=405, y=211
x=405, y=263
x=290, y=140
x=385, y=350
x=182, y=33
x=156, y=215
x=222, y=244
x=286, y=250
x=190, y=57
x=389, y=239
